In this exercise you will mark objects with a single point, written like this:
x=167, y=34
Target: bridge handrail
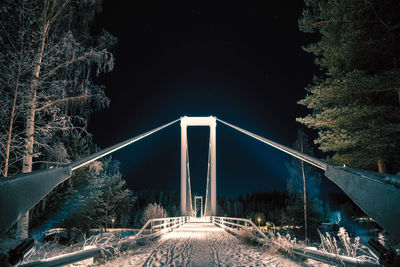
x=61, y=260
x=318, y=255
x=173, y=222
x=222, y=221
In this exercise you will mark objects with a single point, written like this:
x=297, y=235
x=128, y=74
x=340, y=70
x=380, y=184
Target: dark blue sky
x=242, y=62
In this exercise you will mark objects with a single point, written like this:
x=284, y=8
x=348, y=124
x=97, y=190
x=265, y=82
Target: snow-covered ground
x=199, y=244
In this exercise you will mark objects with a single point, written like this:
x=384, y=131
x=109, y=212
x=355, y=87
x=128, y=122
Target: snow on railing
x=152, y=228
x=233, y=225
x=87, y=253
x=155, y=227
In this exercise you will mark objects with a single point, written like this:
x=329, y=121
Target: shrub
x=153, y=211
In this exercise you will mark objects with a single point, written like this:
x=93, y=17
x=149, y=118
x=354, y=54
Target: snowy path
x=199, y=244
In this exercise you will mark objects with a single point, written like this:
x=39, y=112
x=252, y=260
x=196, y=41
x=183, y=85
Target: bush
x=153, y=211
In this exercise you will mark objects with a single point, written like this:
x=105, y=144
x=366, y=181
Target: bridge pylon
x=212, y=193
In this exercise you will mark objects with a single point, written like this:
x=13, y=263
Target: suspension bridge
x=376, y=194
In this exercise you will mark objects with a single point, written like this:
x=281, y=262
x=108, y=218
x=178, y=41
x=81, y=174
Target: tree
x=153, y=211
x=14, y=69
x=126, y=210
x=114, y=193
x=356, y=104
x=102, y=200
x=303, y=186
x=55, y=92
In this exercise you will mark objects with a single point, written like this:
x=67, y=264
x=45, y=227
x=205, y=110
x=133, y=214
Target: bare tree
x=14, y=69
x=303, y=184
x=300, y=136
x=58, y=91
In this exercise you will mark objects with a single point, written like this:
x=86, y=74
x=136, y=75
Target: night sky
x=241, y=62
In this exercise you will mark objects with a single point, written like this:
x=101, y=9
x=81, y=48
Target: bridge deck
x=199, y=244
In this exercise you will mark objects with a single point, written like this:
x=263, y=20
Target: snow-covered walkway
x=199, y=244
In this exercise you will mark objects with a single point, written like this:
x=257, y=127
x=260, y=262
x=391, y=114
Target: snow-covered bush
x=153, y=211
x=281, y=244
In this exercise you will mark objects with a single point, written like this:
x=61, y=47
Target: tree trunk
x=23, y=223
x=304, y=192
x=106, y=215
x=12, y=115
x=398, y=95
x=5, y=172
x=381, y=166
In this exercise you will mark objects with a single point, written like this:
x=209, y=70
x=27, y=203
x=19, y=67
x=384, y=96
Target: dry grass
x=346, y=246
x=342, y=245
x=281, y=244
x=109, y=242
x=42, y=251
x=247, y=237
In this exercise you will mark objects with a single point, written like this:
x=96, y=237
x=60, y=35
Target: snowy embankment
x=199, y=244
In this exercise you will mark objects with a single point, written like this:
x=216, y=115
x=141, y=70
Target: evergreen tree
x=67, y=196
x=114, y=193
x=356, y=104
x=101, y=201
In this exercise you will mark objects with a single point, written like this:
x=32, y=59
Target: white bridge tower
x=211, y=196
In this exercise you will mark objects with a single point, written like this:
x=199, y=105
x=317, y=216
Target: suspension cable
x=189, y=193
x=208, y=180
x=86, y=160
x=312, y=160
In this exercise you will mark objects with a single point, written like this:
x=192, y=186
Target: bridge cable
x=189, y=189
x=208, y=185
x=86, y=160
x=312, y=160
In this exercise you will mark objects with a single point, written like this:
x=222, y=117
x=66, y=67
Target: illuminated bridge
x=187, y=240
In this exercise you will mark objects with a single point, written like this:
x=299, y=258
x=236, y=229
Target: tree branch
x=50, y=162
x=59, y=11
x=329, y=21
x=376, y=15
x=68, y=62
x=57, y=101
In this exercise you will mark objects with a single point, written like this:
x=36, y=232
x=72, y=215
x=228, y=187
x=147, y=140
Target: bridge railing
x=152, y=228
x=155, y=227
x=234, y=225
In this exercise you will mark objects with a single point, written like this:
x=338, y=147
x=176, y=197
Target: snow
x=199, y=244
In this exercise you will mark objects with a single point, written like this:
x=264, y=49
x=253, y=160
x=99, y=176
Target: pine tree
x=71, y=195
x=356, y=104
x=113, y=195
x=102, y=200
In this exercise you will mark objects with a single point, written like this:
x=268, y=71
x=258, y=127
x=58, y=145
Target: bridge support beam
x=183, y=168
x=198, y=121
x=213, y=169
